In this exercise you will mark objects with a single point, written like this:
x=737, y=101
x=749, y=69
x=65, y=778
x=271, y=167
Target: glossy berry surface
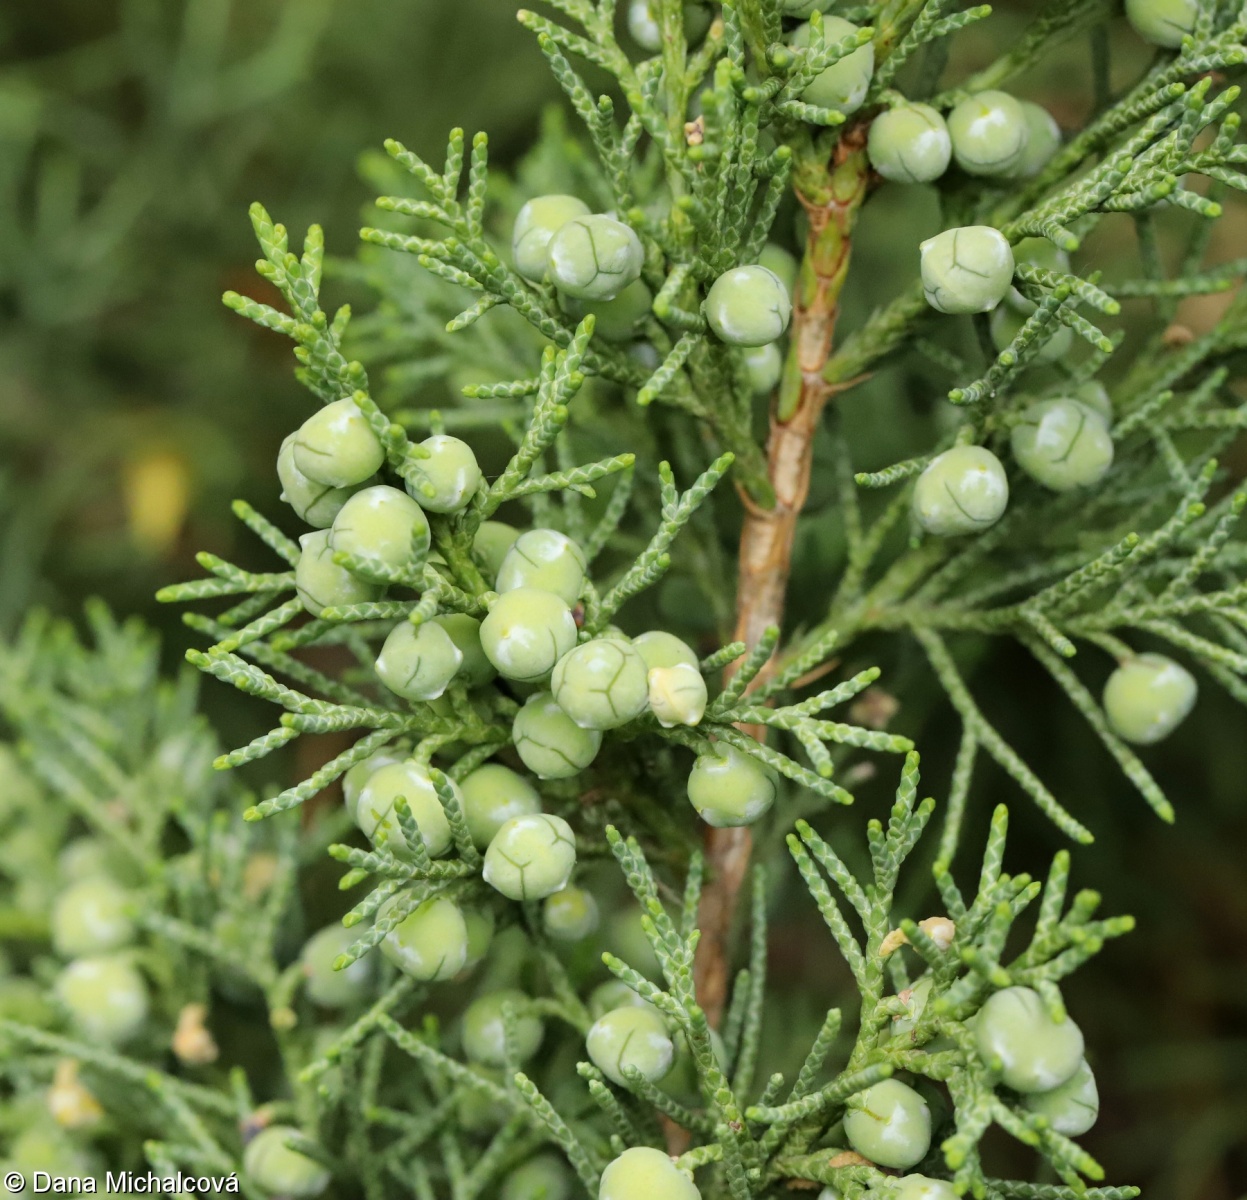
x=544, y=1177
x=536, y=223
x=677, y=695
x=763, y=367
x=383, y=527
x=418, y=662
x=612, y=994
x=570, y=915
x=1062, y=444
x=336, y=446
x=315, y=503
x=550, y=744
x=327, y=987
x=1148, y=697
x=531, y=857
x=1016, y=1035
x=1035, y=252
x=601, y=684
x=643, y=1173
x=1072, y=1107
x=729, y=788
x=909, y=144
x=989, y=132
x=780, y=262
x=431, y=943
x=631, y=1036
x=447, y=479
x=105, y=996
x=1163, y=22
x=594, y=257
x=966, y=270
x=964, y=490
x=923, y=1187
x=748, y=306
x=91, y=917
x=489, y=547
x=484, y=1030
x=278, y=1169
x=616, y=320
x=354, y=780
x=546, y=560
x=843, y=85
x=526, y=632
x=1043, y=140
x=890, y=1124
x=474, y=669
x=682, y=1080
x=1007, y=322
x=374, y=810
x=492, y=795
x=1094, y=395
x=644, y=26
x=480, y=923
x=661, y=649
x=626, y=937
x=321, y=583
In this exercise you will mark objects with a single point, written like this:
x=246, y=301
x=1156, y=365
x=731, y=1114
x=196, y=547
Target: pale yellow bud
x=677, y=695
x=69, y=1101
x=192, y=1043
x=258, y=874
x=157, y=490
x=861, y=772
x=940, y=930
x=874, y=708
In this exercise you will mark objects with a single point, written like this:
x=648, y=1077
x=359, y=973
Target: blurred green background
x=133, y=408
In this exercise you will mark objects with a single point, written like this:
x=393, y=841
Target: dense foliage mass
x=525, y=733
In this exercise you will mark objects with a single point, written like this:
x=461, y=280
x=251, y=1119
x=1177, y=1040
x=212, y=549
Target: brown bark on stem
x=831, y=194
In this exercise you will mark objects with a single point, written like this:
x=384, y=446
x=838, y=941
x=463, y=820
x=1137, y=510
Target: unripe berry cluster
x=101, y=989
x=990, y=134
x=595, y=263
x=528, y=641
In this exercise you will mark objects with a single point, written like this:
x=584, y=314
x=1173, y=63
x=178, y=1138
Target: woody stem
x=831, y=194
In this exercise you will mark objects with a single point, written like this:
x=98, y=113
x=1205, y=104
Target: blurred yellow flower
x=72, y=1106
x=156, y=485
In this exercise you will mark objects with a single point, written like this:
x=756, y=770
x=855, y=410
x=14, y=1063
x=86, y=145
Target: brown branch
x=831, y=197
